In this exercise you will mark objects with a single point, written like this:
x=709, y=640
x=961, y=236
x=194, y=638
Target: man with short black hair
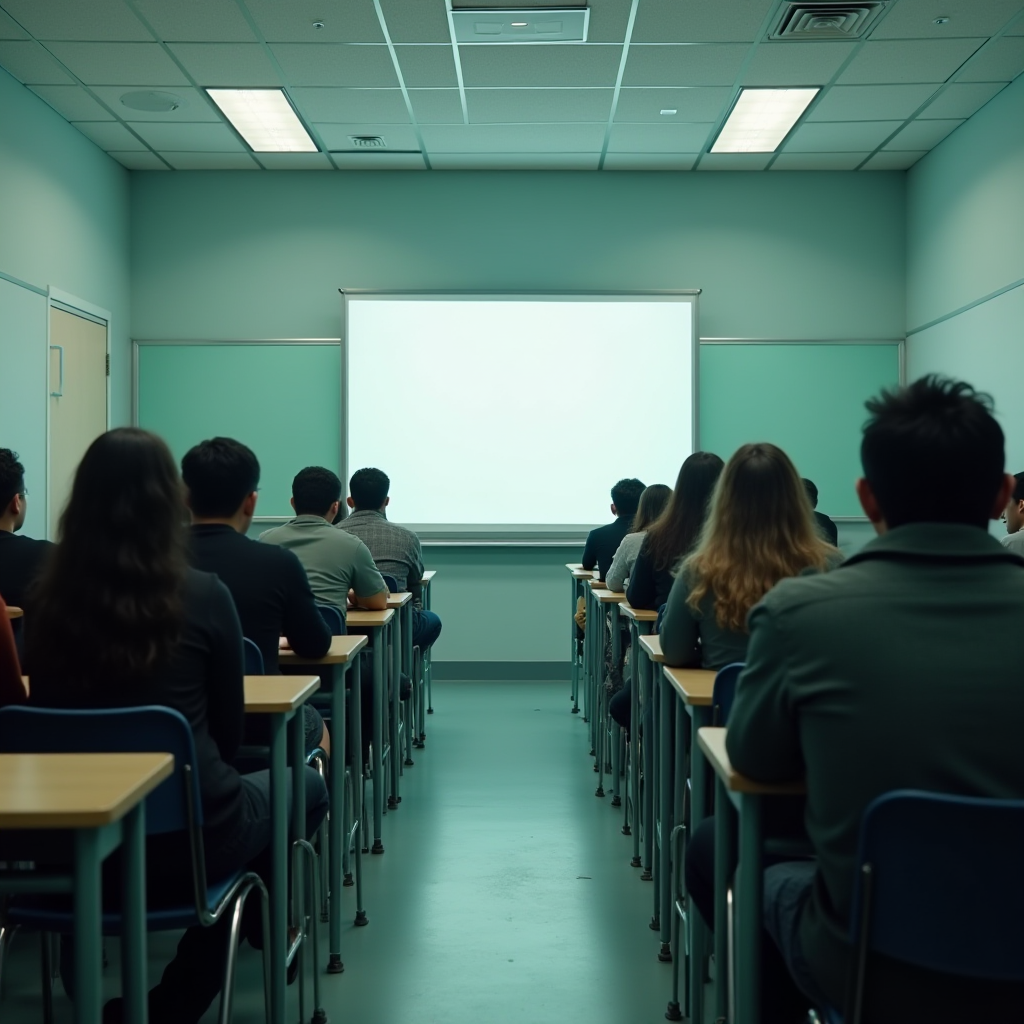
x=21, y=558
x=826, y=527
x=603, y=542
x=396, y=550
x=1014, y=516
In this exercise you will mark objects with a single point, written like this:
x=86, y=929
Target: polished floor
x=504, y=896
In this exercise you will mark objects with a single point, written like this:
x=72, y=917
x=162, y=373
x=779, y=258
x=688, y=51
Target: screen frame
x=545, y=535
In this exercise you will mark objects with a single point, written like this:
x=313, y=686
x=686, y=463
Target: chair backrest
x=391, y=583
x=725, y=691
x=26, y=730
x=252, y=658
x=331, y=615
x=940, y=884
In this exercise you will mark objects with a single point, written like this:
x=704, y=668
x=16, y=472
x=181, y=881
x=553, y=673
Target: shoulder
x=204, y=589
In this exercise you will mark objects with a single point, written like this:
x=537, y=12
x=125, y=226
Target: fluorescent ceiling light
x=265, y=119
x=761, y=119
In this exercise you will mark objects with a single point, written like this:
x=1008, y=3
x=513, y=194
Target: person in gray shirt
x=1014, y=518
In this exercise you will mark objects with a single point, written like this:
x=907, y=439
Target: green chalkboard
x=283, y=400
x=806, y=398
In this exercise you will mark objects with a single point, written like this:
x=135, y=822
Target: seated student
x=675, y=532
x=12, y=689
x=866, y=679
x=120, y=620
x=268, y=584
x=21, y=558
x=828, y=529
x=1014, y=516
x=339, y=565
x=396, y=550
x=652, y=504
x=604, y=541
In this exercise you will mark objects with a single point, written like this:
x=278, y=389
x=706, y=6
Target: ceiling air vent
x=812, y=20
x=368, y=142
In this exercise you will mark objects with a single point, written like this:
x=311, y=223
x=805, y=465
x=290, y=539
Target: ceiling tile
x=796, y=63
x=338, y=65
x=336, y=137
x=658, y=138
x=78, y=19
x=379, y=161
x=295, y=161
x=692, y=104
x=818, y=161
x=961, y=100
x=340, y=106
x=194, y=106
x=427, y=67
x=512, y=138
x=436, y=106
x=198, y=137
x=9, y=28
x=506, y=106
x=138, y=161
x=242, y=65
x=669, y=21
x=915, y=19
x=908, y=61
x=608, y=21
x=31, y=64
x=892, y=161
x=922, y=135
x=345, y=21
x=423, y=22
x=734, y=161
x=649, y=161
x=840, y=136
x=1003, y=61
x=870, y=102
x=211, y=161
x=683, y=65
x=109, y=135
x=142, y=64
x=515, y=161
x=73, y=102
x=539, y=66
x=196, y=21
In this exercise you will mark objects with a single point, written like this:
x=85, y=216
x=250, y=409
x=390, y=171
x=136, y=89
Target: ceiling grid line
x=634, y=7
x=457, y=55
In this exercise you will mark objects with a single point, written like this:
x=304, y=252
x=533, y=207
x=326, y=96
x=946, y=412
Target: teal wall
x=965, y=247
x=63, y=224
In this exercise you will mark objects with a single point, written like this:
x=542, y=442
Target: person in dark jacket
x=828, y=529
x=21, y=558
x=604, y=541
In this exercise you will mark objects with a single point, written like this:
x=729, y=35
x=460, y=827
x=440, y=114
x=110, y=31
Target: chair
x=391, y=583
x=919, y=855
x=724, y=692
x=252, y=658
x=174, y=806
x=332, y=617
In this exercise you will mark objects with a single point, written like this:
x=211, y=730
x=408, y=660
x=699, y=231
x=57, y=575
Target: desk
x=280, y=697
x=100, y=798
x=428, y=679
x=14, y=613
x=402, y=603
x=738, y=796
x=593, y=664
x=611, y=600
x=376, y=623
x=343, y=652
x=577, y=577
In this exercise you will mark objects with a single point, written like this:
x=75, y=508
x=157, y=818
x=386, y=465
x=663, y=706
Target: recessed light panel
x=523, y=25
x=265, y=119
x=761, y=119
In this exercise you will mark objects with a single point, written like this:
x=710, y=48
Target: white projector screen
x=518, y=411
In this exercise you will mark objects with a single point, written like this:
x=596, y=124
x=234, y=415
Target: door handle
x=59, y=393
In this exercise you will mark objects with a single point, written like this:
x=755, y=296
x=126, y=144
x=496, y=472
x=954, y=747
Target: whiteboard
x=521, y=411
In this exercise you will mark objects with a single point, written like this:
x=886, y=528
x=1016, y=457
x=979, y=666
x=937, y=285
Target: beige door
x=78, y=400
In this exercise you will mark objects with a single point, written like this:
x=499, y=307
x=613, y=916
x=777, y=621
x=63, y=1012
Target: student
x=675, y=532
x=652, y=504
x=121, y=620
x=395, y=550
x=268, y=584
x=339, y=565
x=12, y=689
x=603, y=542
x=21, y=558
x=867, y=680
x=1014, y=516
x=828, y=529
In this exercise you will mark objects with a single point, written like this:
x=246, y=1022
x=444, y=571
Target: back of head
x=652, y=504
x=1018, y=490
x=812, y=491
x=219, y=474
x=12, y=477
x=932, y=452
x=626, y=496
x=678, y=527
x=760, y=530
x=314, y=490
x=369, y=488
x=109, y=604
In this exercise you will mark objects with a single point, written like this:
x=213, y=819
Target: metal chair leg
x=46, y=970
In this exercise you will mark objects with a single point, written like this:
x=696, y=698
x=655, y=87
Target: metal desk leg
x=666, y=784
x=409, y=711
x=88, y=937
x=394, y=798
x=747, y=911
x=637, y=665
x=358, y=808
x=725, y=859
x=428, y=674
x=600, y=745
x=134, y=939
x=696, y=927
x=574, y=695
x=279, y=866
x=296, y=723
x=647, y=742
x=377, y=638
x=336, y=822
x=616, y=732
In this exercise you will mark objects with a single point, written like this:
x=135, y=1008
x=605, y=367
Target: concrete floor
x=505, y=894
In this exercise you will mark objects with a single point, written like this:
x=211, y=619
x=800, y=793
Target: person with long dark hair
x=120, y=620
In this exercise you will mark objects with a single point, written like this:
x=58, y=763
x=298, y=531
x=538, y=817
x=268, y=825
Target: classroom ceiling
x=648, y=90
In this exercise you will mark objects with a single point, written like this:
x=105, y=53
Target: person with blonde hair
x=759, y=530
